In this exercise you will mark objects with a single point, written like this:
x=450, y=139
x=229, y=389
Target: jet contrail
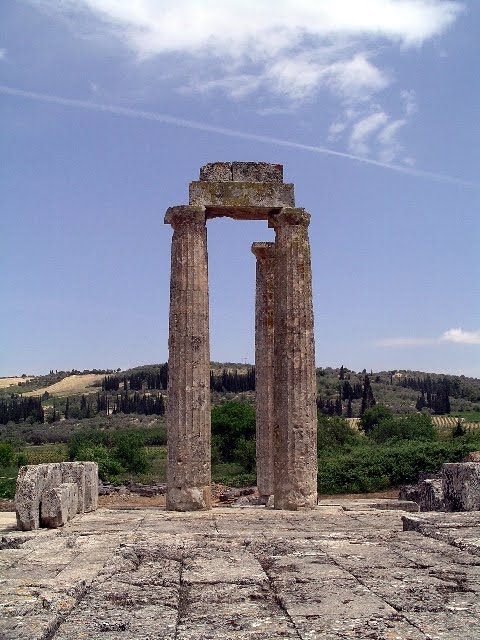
x=202, y=126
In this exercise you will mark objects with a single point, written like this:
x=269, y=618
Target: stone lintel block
x=91, y=486
x=257, y=172
x=185, y=214
x=263, y=250
x=32, y=482
x=189, y=498
x=59, y=505
x=289, y=216
x=241, y=172
x=75, y=472
x=216, y=172
x=241, y=194
x=461, y=486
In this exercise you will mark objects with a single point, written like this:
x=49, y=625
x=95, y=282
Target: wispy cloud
x=292, y=50
x=457, y=336
x=364, y=129
x=202, y=126
x=3, y=53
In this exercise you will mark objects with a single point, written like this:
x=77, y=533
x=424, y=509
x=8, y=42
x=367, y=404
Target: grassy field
x=70, y=386
x=12, y=382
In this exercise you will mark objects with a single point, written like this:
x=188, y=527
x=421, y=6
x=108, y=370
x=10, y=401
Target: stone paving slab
x=249, y=574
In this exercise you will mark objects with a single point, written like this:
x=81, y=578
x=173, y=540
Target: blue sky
x=108, y=109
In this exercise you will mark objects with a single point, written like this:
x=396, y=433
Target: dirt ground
x=135, y=501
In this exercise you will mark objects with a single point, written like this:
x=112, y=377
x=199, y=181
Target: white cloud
x=459, y=336
x=3, y=53
x=292, y=48
x=363, y=130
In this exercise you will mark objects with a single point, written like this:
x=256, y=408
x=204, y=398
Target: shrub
x=372, y=417
x=373, y=467
x=232, y=422
x=335, y=432
x=6, y=454
x=245, y=454
x=417, y=426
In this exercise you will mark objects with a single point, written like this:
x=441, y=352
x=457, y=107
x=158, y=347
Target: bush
x=417, y=426
x=333, y=432
x=374, y=467
x=372, y=417
x=115, y=453
x=245, y=454
x=6, y=454
x=231, y=423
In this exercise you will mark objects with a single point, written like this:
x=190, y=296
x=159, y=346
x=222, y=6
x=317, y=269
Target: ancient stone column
x=188, y=406
x=295, y=381
x=264, y=367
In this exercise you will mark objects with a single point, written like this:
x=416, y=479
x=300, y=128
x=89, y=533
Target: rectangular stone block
x=461, y=486
x=241, y=194
x=59, y=505
x=91, y=486
x=75, y=472
x=257, y=172
x=216, y=172
x=32, y=482
x=431, y=495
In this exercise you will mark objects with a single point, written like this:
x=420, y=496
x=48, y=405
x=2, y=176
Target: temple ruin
x=284, y=339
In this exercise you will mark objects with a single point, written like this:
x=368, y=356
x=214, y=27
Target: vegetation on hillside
x=121, y=425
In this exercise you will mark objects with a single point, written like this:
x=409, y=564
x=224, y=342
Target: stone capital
x=289, y=216
x=263, y=250
x=185, y=215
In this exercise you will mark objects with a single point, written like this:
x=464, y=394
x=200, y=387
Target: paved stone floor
x=344, y=570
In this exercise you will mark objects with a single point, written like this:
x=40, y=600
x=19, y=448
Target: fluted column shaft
x=188, y=406
x=264, y=366
x=295, y=381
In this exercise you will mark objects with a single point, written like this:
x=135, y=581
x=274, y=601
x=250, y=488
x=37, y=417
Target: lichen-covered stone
x=257, y=172
x=430, y=496
x=461, y=486
x=241, y=194
x=188, y=408
x=264, y=367
x=32, y=481
x=59, y=505
x=216, y=172
x=295, y=379
x=75, y=472
x=91, y=486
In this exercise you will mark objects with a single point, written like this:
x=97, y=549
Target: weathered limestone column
x=295, y=381
x=264, y=366
x=188, y=407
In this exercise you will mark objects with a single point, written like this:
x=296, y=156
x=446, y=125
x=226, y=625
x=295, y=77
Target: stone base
x=295, y=501
x=189, y=498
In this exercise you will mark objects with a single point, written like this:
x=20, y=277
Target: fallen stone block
x=461, y=486
x=410, y=492
x=91, y=486
x=75, y=472
x=431, y=495
x=32, y=481
x=59, y=505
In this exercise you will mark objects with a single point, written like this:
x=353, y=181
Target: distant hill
x=337, y=387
